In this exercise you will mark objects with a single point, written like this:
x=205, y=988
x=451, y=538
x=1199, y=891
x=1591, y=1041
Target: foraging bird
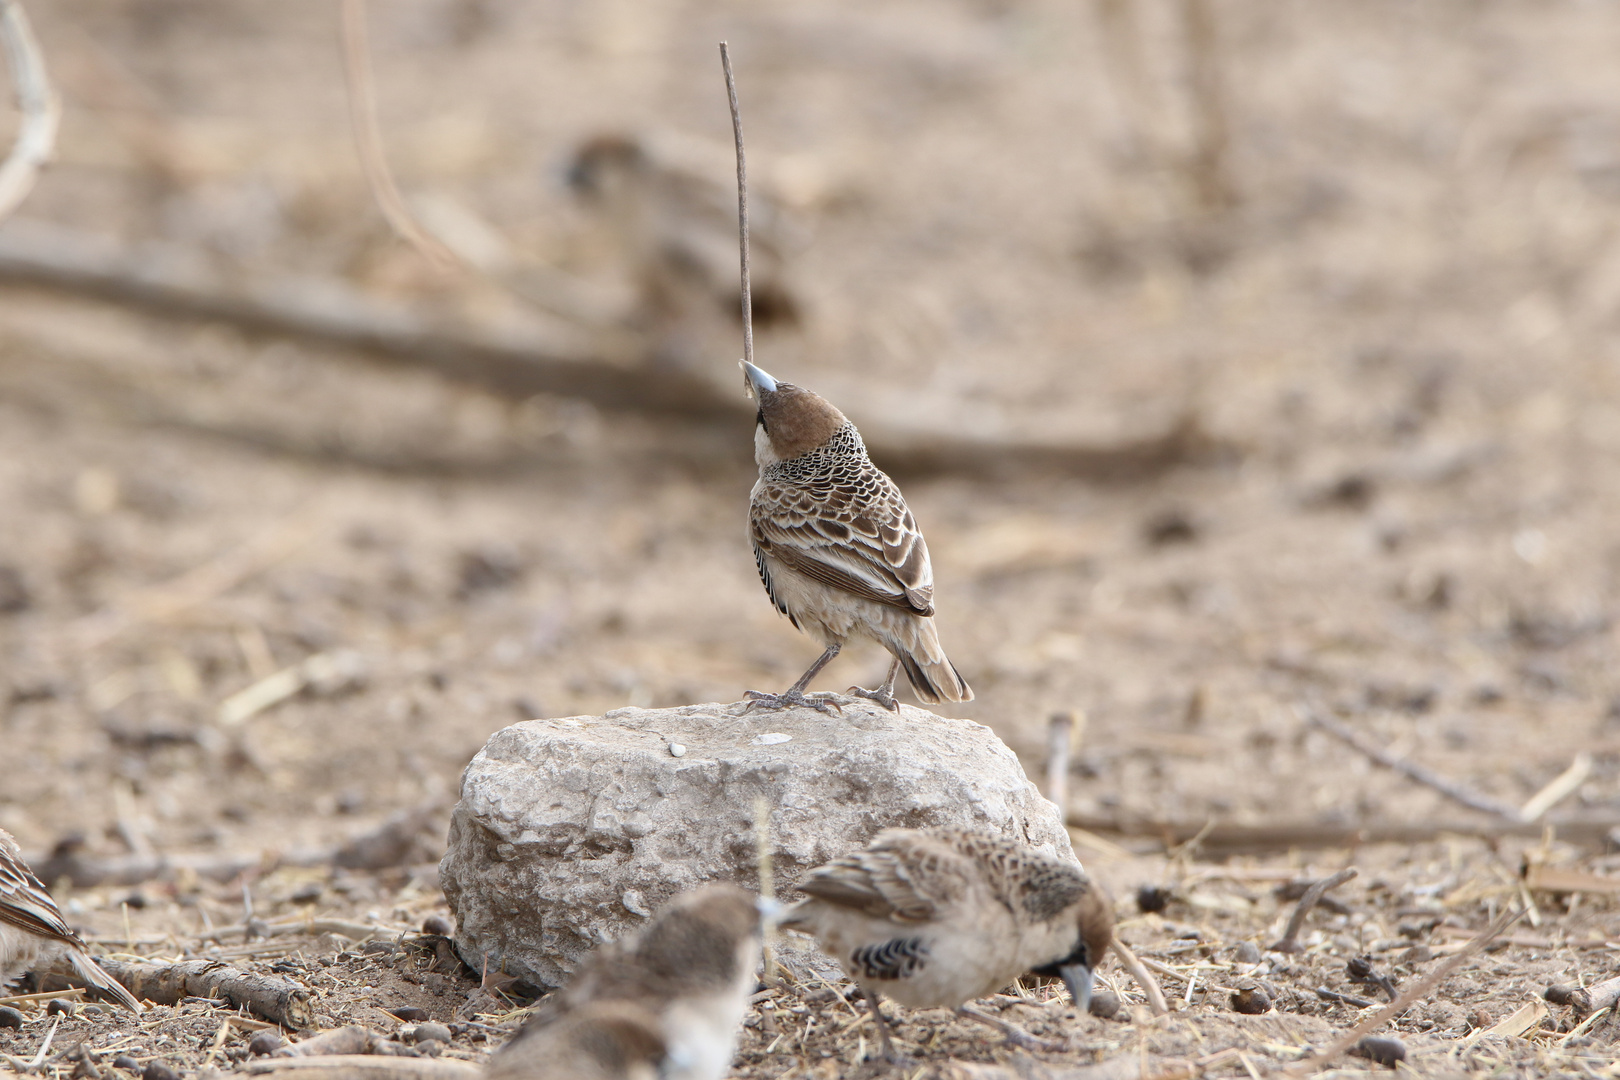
x=676, y=228
x=604, y=1040
x=940, y=917
x=692, y=968
x=838, y=549
x=32, y=933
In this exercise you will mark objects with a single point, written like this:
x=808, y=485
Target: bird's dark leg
x=885, y=1042
x=1017, y=1036
x=795, y=695
x=883, y=695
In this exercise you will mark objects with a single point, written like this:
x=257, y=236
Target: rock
x=569, y=831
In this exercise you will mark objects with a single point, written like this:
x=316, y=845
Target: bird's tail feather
x=934, y=681
x=91, y=972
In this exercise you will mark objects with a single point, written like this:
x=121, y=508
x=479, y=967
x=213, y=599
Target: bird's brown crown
x=797, y=420
x=1096, y=919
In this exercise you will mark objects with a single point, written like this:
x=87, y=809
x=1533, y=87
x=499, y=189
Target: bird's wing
x=854, y=534
x=25, y=903
x=903, y=876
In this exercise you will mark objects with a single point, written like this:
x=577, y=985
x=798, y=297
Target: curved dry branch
x=41, y=108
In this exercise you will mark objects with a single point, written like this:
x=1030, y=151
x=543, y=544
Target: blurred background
x=364, y=392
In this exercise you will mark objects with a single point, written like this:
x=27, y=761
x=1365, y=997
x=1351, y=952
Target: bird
x=937, y=918
x=691, y=968
x=675, y=228
x=838, y=550
x=603, y=1040
x=33, y=934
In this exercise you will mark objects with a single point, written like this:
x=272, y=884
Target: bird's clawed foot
x=883, y=695
x=792, y=699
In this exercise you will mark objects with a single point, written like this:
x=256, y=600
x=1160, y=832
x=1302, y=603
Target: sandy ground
x=1380, y=268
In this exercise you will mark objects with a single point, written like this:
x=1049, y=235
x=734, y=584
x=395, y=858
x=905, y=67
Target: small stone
x=307, y=893
x=1250, y=999
x=1152, y=898
x=432, y=1032
x=409, y=1013
x=1381, y=1050
x=772, y=738
x=1246, y=952
x=159, y=1070
x=1104, y=1004
x=60, y=1007
x=126, y=1063
x=11, y=1018
x=438, y=924
x=677, y=750
x=264, y=1043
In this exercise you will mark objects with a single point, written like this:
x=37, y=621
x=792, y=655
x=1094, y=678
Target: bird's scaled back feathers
x=32, y=930
x=832, y=515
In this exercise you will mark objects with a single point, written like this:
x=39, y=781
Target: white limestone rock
x=570, y=832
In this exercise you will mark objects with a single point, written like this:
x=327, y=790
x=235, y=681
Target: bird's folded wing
x=885, y=562
x=25, y=904
x=905, y=883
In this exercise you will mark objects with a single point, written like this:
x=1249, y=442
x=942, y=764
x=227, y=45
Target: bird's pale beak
x=758, y=381
x=1077, y=977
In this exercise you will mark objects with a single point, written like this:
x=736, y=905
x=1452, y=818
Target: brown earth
x=1370, y=248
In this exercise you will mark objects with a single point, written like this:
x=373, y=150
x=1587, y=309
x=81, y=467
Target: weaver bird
x=692, y=968
x=604, y=1040
x=838, y=549
x=677, y=230
x=937, y=918
x=32, y=933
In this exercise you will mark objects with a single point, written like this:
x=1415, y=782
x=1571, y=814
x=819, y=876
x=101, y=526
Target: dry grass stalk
x=41, y=108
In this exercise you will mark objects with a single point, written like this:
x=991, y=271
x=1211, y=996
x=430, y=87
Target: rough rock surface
x=570, y=832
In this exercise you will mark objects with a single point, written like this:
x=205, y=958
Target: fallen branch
x=1225, y=839
x=1588, y=1000
x=1449, y=788
x=41, y=109
x=365, y=1067
x=171, y=280
x=1412, y=993
x=279, y=1000
x=1296, y=922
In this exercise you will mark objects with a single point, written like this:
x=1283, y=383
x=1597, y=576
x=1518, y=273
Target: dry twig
x=1413, y=992
x=365, y=1067
x=1296, y=922
x=1144, y=978
x=279, y=1000
x=368, y=139
x=1449, y=788
x=742, y=205
x=40, y=107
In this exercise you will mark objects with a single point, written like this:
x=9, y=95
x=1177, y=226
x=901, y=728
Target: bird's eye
x=760, y=420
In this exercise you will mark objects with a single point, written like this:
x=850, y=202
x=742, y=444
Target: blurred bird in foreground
x=691, y=969
x=604, y=1040
x=837, y=548
x=937, y=918
x=676, y=228
x=32, y=933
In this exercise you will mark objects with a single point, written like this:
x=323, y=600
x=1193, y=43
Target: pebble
x=432, y=1032
x=11, y=1018
x=1383, y=1051
x=126, y=1063
x=437, y=924
x=1246, y=952
x=60, y=1006
x=159, y=1070
x=677, y=750
x=1250, y=1000
x=264, y=1043
x=1104, y=1004
x=409, y=1013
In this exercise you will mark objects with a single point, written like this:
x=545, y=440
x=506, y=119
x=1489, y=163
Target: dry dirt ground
x=1371, y=248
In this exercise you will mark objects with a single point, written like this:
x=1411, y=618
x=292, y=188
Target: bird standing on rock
x=33, y=934
x=838, y=549
x=691, y=968
x=937, y=918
